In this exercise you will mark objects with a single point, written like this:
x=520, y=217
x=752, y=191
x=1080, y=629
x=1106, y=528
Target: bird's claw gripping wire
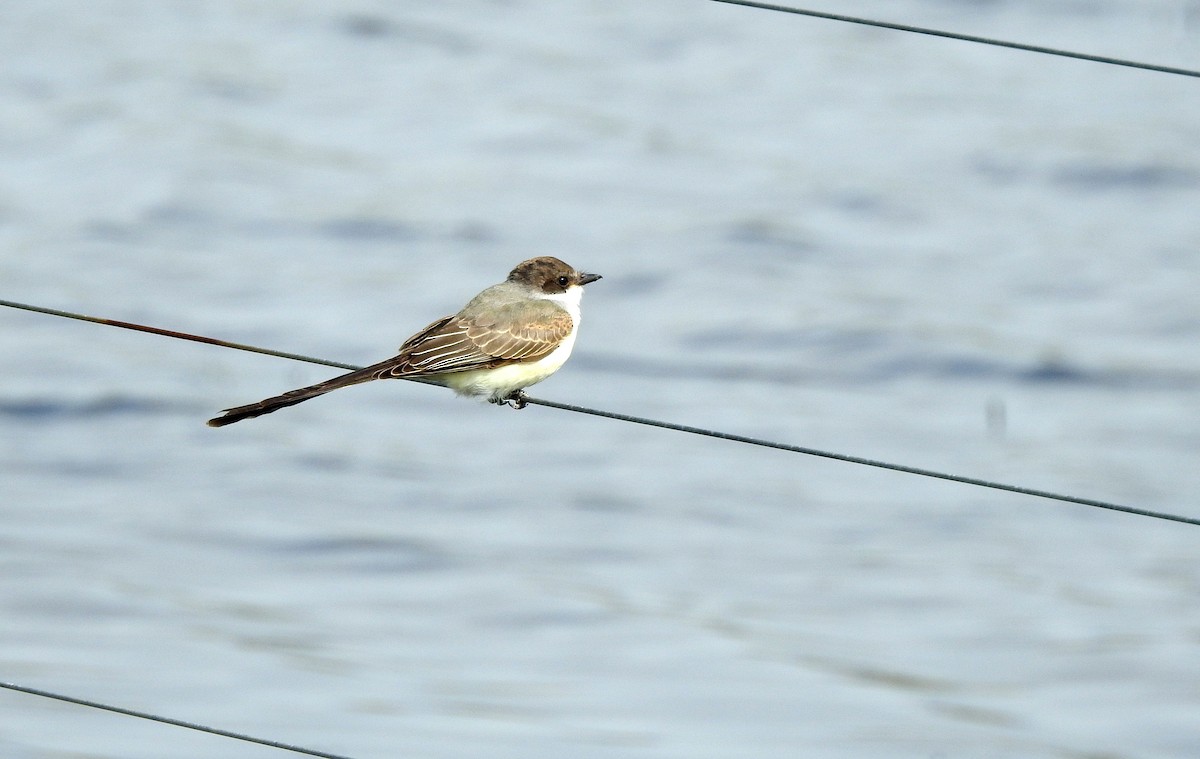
x=516, y=399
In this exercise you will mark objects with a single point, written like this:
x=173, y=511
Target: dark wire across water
x=974, y=481
x=966, y=38
x=169, y=721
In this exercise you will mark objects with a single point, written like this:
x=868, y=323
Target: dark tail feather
x=292, y=397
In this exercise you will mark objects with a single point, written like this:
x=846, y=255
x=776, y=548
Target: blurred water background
x=962, y=258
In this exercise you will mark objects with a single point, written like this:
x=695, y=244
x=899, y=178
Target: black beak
x=585, y=278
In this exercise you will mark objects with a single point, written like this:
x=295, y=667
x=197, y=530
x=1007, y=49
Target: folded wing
x=519, y=332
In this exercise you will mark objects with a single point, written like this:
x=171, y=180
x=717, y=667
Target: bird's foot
x=516, y=399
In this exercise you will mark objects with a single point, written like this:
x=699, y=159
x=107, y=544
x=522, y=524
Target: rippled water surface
x=967, y=259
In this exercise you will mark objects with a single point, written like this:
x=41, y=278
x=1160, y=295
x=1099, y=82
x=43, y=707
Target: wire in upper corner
x=1158, y=68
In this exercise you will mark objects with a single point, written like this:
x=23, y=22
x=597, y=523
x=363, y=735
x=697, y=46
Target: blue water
x=967, y=259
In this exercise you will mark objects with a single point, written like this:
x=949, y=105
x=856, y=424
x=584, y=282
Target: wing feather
x=512, y=333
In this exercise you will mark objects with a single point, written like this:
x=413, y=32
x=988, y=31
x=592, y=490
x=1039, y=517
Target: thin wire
x=172, y=722
x=966, y=38
x=177, y=335
x=869, y=462
x=652, y=422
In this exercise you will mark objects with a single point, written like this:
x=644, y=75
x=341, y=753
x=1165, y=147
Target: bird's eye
x=564, y=281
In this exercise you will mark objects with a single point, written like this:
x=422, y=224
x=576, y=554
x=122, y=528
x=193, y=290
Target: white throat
x=568, y=300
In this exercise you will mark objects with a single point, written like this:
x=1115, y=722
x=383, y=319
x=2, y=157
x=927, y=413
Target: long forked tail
x=292, y=397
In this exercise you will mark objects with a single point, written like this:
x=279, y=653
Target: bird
x=510, y=336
